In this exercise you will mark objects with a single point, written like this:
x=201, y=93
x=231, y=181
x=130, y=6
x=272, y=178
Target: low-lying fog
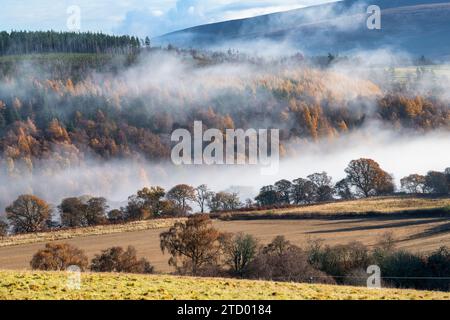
x=116, y=180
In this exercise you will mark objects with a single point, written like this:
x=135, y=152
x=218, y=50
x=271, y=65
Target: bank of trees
x=433, y=182
x=29, y=42
x=364, y=178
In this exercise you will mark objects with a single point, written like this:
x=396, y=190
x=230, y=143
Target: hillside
x=419, y=231
x=46, y=285
x=376, y=206
x=417, y=27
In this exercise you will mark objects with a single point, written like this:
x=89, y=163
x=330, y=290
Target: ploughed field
x=420, y=233
x=54, y=285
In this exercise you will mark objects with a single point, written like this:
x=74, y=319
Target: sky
x=135, y=17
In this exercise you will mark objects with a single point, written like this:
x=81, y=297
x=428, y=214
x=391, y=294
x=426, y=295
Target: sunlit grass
x=53, y=285
x=363, y=206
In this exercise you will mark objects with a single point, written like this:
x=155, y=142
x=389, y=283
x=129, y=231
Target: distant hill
x=418, y=27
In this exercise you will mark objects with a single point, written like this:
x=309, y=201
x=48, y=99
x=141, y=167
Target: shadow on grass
x=400, y=224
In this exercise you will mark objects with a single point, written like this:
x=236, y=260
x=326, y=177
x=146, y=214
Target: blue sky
x=137, y=17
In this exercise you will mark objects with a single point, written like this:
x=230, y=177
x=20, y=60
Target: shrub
x=239, y=250
x=340, y=260
x=438, y=264
x=58, y=257
x=404, y=270
x=281, y=261
x=116, y=259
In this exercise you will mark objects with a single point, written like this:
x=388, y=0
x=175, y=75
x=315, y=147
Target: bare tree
x=414, y=183
x=203, y=194
x=323, y=186
x=342, y=190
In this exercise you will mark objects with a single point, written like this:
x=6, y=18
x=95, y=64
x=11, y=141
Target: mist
x=177, y=85
x=116, y=180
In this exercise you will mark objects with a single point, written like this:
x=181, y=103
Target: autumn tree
x=181, y=195
x=56, y=132
x=147, y=203
x=116, y=259
x=414, y=183
x=58, y=257
x=192, y=244
x=28, y=214
x=239, y=250
x=368, y=178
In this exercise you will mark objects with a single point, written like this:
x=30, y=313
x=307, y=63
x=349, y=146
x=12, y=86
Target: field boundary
x=422, y=213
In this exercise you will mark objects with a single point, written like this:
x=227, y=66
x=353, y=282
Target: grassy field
x=385, y=205
x=88, y=231
x=53, y=285
x=414, y=233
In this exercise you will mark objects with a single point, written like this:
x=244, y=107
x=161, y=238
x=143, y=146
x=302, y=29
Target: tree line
x=33, y=42
x=196, y=248
x=364, y=178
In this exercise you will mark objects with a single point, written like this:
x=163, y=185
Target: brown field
x=87, y=231
x=415, y=234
